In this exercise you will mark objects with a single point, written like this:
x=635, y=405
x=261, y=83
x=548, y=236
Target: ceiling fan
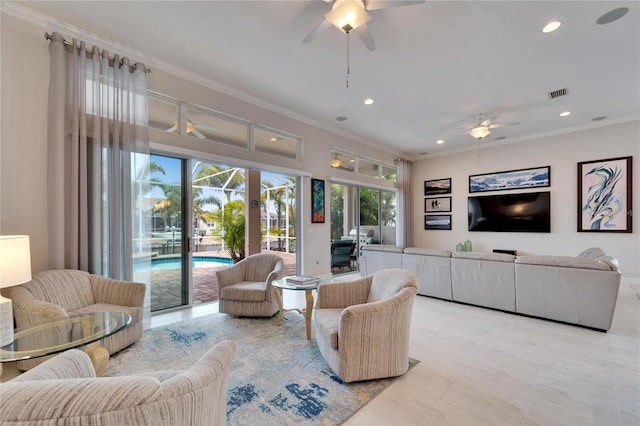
x=351, y=15
x=192, y=128
x=483, y=127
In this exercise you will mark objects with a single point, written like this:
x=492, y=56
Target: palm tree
x=230, y=226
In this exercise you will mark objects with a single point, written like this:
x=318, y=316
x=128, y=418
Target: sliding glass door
x=361, y=215
x=169, y=245
x=198, y=225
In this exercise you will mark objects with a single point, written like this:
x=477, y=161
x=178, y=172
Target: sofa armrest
x=273, y=275
x=60, y=400
x=372, y=323
x=342, y=294
x=212, y=367
x=29, y=311
x=115, y=292
x=72, y=364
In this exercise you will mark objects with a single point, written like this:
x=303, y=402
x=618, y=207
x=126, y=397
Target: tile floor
x=483, y=367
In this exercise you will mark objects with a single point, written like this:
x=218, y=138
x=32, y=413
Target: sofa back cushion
x=259, y=266
x=68, y=288
x=388, y=282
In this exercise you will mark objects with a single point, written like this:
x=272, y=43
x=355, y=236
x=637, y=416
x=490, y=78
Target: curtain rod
x=89, y=52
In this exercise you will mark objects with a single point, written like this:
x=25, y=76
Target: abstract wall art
x=604, y=195
x=317, y=201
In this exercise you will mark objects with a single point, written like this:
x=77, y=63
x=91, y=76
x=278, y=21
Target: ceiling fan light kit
x=480, y=132
x=347, y=15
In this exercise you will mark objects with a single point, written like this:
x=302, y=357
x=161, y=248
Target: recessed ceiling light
x=341, y=118
x=551, y=26
x=564, y=114
x=602, y=117
x=612, y=16
x=440, y=142
x=499, y=138
x=368, y=101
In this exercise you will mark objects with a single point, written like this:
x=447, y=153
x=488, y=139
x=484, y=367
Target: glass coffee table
x=282, y=284
x=61, y=334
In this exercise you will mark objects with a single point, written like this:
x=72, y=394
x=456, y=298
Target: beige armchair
x=362, y=326
x=64, y=390
x=245, y=288
x=59, y=293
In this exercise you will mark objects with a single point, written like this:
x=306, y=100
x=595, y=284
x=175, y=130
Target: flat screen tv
x=525, y=212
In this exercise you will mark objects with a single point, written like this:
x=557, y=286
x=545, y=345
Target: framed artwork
x=440, y=221
x=437, y=186
x=317, y=201
x=604, y=195
x=440, y=204
x=511, y=179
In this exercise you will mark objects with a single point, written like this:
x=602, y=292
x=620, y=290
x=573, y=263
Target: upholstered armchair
x=362, y=326
x=59, y=293
x=245, y=288
x=65, y=390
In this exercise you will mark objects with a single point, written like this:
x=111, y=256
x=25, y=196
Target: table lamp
x=15, y=268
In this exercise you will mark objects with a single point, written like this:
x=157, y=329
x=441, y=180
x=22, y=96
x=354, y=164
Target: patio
x=166, y=290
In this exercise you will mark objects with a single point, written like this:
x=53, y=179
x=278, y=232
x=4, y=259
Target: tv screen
x=526, y=212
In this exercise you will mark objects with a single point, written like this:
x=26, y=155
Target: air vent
x=557, y=93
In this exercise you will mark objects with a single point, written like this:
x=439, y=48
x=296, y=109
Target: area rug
x=278, y=377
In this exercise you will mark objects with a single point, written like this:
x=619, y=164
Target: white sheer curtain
x=98, y=159
x=405, y=204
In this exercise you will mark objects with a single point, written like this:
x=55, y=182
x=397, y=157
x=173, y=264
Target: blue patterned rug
x=278, y=377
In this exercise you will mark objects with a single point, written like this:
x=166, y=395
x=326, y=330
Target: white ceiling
x=437, y=65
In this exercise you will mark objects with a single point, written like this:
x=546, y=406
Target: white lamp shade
x=349, y=13
x=480, y=132
x=15, y=260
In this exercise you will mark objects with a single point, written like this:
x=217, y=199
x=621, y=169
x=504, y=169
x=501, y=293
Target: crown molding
x=51, y=24
x=586, y=126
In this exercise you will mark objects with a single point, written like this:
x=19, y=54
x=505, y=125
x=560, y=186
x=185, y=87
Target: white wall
x=562, y=153
x=24, y=80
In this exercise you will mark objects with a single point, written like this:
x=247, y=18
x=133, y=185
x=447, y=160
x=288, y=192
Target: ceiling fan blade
x=366, y=37
x=495, y=126
x=172, y=129
x=487, y=122
x=324, y=25
x=197, y=134
x=384, y=4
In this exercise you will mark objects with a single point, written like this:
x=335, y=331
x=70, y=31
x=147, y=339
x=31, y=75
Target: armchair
x=245, y=288
x=362, y=326
x=64, y=390
x=59, y=293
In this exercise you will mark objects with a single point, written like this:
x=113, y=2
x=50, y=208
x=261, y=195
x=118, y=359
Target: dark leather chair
x=341, y=252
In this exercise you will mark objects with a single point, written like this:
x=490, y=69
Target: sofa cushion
x=480, y=255
x=427, y=252
x=327, y=321
x=135, y=313
x=70, y=289
x=565, y=261
x=247, y=291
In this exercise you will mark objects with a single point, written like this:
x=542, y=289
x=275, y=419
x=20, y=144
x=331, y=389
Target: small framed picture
x=435, y=205
x=440, y=221
x=437, y=186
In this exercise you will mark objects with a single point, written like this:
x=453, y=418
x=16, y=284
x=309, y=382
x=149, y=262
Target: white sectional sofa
x=579, y=290
x=375, y=257
x=433, y=270
x=484, y=279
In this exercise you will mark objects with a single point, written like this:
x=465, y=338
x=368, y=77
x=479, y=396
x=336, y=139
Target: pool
x=169, y=263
